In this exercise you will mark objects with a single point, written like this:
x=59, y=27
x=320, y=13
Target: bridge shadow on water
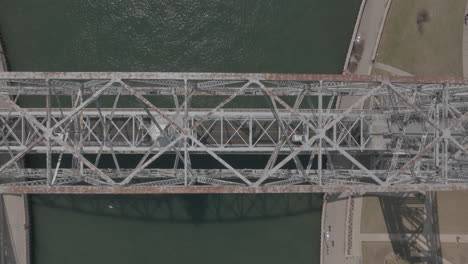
x=412, y=223
x=196, y=208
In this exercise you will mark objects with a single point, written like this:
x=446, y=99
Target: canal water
x=295, y=36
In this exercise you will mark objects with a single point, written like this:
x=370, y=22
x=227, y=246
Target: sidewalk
x=465, y=46
x=334, y=229
x=17, y=225
x=370, y=29
x=391, y=69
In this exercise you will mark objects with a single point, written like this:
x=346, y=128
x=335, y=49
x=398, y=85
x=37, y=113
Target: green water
x=288, y=36
x=298, y=36
x=177, y=229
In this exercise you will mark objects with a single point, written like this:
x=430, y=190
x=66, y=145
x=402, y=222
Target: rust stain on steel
x=11, y=189
x=226, y=76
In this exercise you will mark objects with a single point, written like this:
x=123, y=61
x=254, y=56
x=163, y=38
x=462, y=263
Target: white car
x=358, y=38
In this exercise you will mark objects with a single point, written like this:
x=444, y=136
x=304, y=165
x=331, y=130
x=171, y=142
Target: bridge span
x=410, y=136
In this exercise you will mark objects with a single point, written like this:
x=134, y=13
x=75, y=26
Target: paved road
x=465, y=44
x=370, y=26
x=15, y=213
x=334, y=229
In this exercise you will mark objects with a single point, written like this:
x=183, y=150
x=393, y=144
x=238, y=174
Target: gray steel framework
x=398, y=134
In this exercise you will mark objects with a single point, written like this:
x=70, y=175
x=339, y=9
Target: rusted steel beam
x=226, y=76
x=61, y=189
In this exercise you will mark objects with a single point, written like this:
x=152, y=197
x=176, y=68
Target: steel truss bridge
x=319, y=133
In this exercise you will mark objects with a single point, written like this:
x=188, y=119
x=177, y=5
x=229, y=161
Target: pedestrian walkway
x=17, y=224
x=370, y=30
x=391, y=69
x=334, y=229
x=465, y=45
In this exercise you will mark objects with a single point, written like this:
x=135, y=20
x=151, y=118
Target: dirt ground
x=424, y=37
x=376, y=252
x=453, y=212
x=456, y=254
x=372, y=220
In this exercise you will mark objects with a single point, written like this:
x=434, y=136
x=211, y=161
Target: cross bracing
x=132, y=131
x=318, y=132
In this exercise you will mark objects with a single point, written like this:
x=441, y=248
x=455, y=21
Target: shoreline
x=369, y=26
x=353, y=38
x=3, y=61
x=16, y=209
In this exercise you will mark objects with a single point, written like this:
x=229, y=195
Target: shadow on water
x=166, y=161
x=412, y=222
x=174, y=229
x=196, y=209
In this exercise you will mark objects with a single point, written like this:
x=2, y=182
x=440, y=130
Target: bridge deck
x=233, y=130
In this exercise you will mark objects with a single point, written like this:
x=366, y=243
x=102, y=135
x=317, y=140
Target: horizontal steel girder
x=229, y=131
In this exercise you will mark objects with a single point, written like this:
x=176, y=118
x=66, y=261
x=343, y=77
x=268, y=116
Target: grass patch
x=424, y=37
x=372, y=219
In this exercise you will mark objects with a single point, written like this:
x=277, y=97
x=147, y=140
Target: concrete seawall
x=353, y=38
x=3, y=61
x=3, y=68
x=15, y=218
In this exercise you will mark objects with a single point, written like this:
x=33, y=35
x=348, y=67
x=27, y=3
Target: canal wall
x=323, y=229
x=15, y=208
x=3, y=68
x=27, y=227
x=3, y=61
